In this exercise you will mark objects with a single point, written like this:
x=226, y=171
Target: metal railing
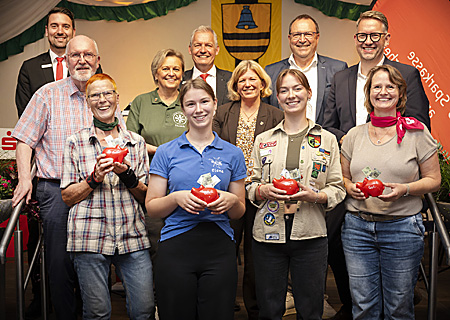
x=433, y=242
x=13, y=226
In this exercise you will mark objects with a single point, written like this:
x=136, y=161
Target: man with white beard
x=55, y=112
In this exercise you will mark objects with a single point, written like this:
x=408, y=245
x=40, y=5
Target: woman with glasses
x=196, y=272
x=382, y=235
x=289, y=232
x=239, y=122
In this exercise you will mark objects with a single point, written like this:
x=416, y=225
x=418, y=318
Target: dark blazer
x=222, y=78
x=340, y=111
x=31, y=77
x=227, y=118
x=326, y=68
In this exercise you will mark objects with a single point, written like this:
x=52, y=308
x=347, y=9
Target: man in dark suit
x=345, y=109
x=42, y=69
x=203, y=48
x=34, y=73
x=303, y=40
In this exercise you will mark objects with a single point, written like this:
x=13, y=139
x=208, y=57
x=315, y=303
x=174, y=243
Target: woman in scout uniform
x=196, y=272
x=289, y=231
x=382, y=236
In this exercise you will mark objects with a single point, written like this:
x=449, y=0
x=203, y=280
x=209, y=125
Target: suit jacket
x=222, y=77
x=340, y=111
x=326, y=68
x=31, y=77
x=227, y=118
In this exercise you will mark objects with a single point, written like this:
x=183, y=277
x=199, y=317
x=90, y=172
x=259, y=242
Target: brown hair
x=395, y=77
x=377, y=15
x=197, y=83
x=62, y=10
x=295, y=73
x=242, y=68
x=304, y=17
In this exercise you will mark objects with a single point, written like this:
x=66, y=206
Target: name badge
x=46, y=66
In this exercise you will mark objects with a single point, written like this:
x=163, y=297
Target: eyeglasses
x=374, y=37
x=308, y=35
x=88, y=56
x=107, y=94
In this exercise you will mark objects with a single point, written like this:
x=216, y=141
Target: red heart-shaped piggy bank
x=288, y=185
x=117, y=153
x=206, y=194
x=372, y=187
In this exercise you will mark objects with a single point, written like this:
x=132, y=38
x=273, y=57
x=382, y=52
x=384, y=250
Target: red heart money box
x=373, y=187
x=206, y=194
x=117, y=153
x=288, y=185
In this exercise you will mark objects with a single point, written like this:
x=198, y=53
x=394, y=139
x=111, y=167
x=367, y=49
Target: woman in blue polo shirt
x=195, y=273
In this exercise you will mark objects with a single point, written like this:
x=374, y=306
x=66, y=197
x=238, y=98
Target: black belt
x=58, y=181
x=376, y=217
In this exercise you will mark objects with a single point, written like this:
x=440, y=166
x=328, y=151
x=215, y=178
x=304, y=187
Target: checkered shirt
x=110, y=217
x=56, y=111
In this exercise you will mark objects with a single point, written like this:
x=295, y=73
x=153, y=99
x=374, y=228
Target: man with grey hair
x=203, y=48
x=62, y=111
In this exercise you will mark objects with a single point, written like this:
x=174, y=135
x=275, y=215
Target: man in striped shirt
x=56, y=111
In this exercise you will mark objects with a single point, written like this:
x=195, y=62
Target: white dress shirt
x=311, y=74
x=53, y=57
x=211, y=79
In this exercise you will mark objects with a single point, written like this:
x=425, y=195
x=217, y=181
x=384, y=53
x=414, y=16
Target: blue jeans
x=62, y=278
x=307, y=262
x=135, y=271
x=383, y=261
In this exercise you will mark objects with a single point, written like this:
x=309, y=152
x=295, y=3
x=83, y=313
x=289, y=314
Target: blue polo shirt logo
x=217, y=164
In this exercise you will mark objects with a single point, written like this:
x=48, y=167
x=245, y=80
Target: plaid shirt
x=56, y=111
x=110, y=217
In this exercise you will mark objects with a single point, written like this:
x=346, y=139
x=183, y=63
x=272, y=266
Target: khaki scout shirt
x=320, y=168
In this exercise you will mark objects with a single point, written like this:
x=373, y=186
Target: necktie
x=204, y=76
x=59, y=69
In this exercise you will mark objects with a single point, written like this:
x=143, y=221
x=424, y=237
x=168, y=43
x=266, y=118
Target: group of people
x=307, y=118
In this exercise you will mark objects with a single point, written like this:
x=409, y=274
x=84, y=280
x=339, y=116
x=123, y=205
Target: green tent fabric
x=92, y=13
x=338, y=9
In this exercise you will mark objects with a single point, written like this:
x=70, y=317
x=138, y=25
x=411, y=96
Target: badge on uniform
x=314, y=174
x=314, y=140
x=272, y=236
x=269, y=219
x=317, y=166
x=273, y=206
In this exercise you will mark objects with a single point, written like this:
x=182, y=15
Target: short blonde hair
x=242, y=68
x=159, y=58
x=395, y=77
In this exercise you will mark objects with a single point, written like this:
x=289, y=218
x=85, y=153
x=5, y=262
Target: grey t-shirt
x=398, y=163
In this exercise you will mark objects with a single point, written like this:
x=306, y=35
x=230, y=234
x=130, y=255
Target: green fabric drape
x=92, y=13
x=338, y=9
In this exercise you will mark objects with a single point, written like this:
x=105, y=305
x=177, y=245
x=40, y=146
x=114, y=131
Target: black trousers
x=243, y=229
x=336, y=258
x=196, y=275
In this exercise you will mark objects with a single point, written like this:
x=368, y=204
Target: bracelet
x=407, y=190
x=317, y=198
x=259, y=192
x=92, y=182
x=128, y=178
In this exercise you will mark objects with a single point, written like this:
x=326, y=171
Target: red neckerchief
x=402, y=123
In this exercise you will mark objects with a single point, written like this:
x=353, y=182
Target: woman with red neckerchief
x=383, y=236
